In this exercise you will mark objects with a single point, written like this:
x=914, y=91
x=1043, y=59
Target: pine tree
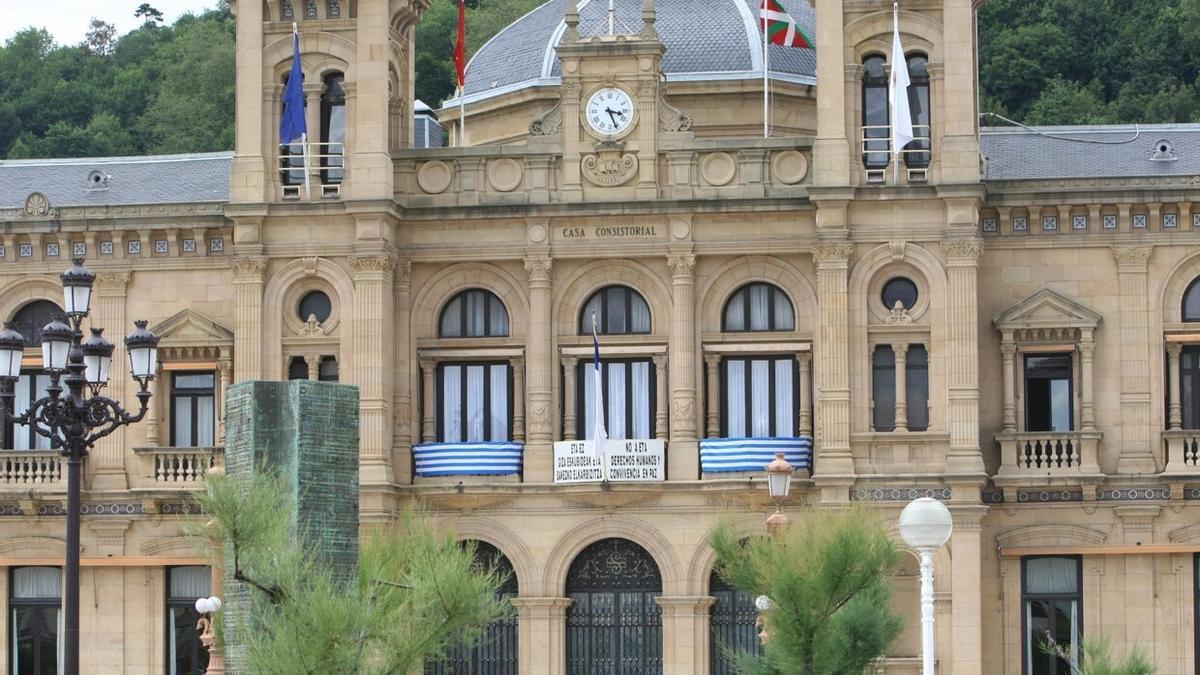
x=828, y=584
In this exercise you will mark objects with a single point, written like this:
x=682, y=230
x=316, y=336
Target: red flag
x=780, y=27
x=460, y=47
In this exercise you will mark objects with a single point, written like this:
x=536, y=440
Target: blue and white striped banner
x=468, y=459
x=719, y=455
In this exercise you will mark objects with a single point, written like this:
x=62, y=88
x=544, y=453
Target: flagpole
x=304, y=135
x=894, y=96
x=462, y=115
x=766, y=80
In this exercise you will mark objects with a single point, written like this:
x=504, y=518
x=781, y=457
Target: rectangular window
x=1048, y=393
x=629, y=397
x=883, y=388
x=1189, y=385
x=759, y=397
x=193, y=411
x=475, y=400
x=916, y=387
x=185, y=585
x=1051, y=609
x=28, y=388
x=35, y=620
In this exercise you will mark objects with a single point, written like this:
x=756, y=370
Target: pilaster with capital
x=712, y=369
x=1087, y=405
x=1008, y=351
x=542, y=634
x=900, y=349
x=832, y=259
x=108, y=310
x=248, y=318
x=224, y=379
x=802, y=393
x=428, y=372
x=539, y=384
x=402, y=394
x=570, y=426
x=1137, y=434
x=966, y=603
x=962, y=354
x=684, y=451
x=373, y=325
x=686, y=619
x=660, y=397
x=1175, y=414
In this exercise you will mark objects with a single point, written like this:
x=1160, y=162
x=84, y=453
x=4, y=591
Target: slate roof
x=159, y=179
x=1039, y=153
x=704, y=39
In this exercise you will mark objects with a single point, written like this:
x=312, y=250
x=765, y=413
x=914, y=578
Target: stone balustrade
x=31, y=467
x=1182, y=447
x=176, y=467
x=1049, y=458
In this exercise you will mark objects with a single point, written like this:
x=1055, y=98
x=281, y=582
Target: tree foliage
x=828, y=580
x=418, y=591
x=1096, y=658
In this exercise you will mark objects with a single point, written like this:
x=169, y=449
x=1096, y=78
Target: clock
x=609, y=111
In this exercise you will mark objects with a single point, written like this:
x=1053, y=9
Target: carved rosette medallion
x=609, y=168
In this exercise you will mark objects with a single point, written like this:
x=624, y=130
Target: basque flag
x=597, y=433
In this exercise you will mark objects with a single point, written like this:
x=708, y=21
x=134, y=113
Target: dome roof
x=704, y=40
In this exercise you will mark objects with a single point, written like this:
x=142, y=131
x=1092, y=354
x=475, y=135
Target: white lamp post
x=925, y=524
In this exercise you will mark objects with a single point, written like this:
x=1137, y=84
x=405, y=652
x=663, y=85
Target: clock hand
x=611, y=115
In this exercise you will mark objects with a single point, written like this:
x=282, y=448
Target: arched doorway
x=495, y=653
x=614, y=625
x=731, y=626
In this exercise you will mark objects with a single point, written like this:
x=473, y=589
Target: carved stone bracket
x=671, y=118
x=548, y=123
x=609, y=168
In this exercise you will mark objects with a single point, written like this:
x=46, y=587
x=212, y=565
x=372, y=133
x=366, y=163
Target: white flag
x=902, y=126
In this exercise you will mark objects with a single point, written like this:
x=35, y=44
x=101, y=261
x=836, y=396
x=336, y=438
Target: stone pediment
x=189, y=328
x=1046, y=309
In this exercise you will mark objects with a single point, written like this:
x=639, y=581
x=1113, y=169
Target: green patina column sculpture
x=307, y=433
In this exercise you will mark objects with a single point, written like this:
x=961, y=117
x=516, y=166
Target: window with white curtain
x=28, y=388
x=474, y=402
x=35, y=621
x=759, y=397
x=1052, y=607
x=185, y=585
x=474, y=313
x=619, y=310
x=193, y=410
x=756, y=307
x=629, y=396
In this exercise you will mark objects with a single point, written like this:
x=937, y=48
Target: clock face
x=609, y=111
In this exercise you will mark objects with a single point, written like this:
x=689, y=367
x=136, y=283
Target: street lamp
x=779, y=484
x=925, y=524
x=72, y=421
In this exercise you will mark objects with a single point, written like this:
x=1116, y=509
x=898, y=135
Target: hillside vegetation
x=167, y=89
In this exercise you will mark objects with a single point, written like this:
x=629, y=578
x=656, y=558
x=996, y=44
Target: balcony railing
x=1049, y=454
x=1183, y=451
x=875, y=143
x=326, y=169
x=30, y=467
x=177, y=467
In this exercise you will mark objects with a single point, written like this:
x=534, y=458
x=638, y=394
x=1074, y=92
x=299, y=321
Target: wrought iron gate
x=731, y=626
x=495, y=653
x=614, y=625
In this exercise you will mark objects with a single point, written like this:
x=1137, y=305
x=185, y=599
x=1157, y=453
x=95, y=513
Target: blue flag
x=291, y=124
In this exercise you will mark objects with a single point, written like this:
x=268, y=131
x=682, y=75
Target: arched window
x=732, y=627
x=875, y=118
x=613, y=622
x=1191, y=302
x=474, y=313
x=333, y=129
x=758, y=306
x=619, y=310
x=32, y=318
x=495, y=651
x=918, y=103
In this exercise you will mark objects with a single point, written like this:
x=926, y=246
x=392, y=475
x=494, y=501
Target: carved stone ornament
x=539, y=418
x=548, y=124
x=899, y=316
x=372, y=263
x=832, y=252
x=112, y=281
x=685, y=414
x=609, y=168
x=682, y=265
x=312, y=327
x=37, y=205
x=1132, y=256
x=249, y=269
x=310, y=265
x=671, y=118
x=539, y=268
x=963, y=248
x=403, y=273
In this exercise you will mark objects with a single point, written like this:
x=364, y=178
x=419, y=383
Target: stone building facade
x=1003, y=320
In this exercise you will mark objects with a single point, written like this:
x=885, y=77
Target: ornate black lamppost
x=75, y=417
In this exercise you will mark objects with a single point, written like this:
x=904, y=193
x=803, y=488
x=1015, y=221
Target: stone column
x=1087, y=406
x=542, y=634
x=966, y=594
x=224, y=379
x=1137, y=453
x=685, y=634
x=369, y=170
x=428, y=371
x=805, y=359
x=248, y=318
x=313, y=362
x=402, y=394
x=157, y=386
x=518, y=366
x=570, y=426
x=901, y=351
x=1008, y=349
x=831, y=152
x=539, y=385
x=684, y=462
x=962, y=355
x=108, y=311
x=712, y=366
x=1175, y=416
x=833, y=458
x=373, y=342
x=660, y=397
